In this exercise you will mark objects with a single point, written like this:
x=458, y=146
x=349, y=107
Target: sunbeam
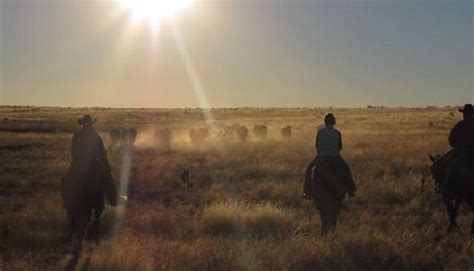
x=196, y=85
x=124, y=180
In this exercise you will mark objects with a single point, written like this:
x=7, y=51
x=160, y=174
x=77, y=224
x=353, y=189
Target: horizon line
x=233, y=108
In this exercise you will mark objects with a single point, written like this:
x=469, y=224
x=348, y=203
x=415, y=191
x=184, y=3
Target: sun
x=154, y=11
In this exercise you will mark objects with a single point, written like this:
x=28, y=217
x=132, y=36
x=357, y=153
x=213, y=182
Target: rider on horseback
x=453, y=171
x=88, y=149
x=328, y=146
x=461, y=138
x=328, y=177
x=461, y=157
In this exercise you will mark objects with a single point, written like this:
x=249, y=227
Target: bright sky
x=238, y=53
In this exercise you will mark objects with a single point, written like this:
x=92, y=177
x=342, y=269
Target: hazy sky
x=244, y=53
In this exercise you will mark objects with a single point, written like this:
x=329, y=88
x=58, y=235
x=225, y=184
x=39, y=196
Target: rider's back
x=462, y=136
x=87, y=146
x=328, y=142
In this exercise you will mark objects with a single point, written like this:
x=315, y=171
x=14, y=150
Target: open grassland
x=242, y=210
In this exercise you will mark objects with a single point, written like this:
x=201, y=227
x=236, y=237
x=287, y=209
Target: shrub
x=238, y=218
x=206, y=253
x=125, y=253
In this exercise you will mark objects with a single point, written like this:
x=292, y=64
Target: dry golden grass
x=243, y=210
x=238, y=218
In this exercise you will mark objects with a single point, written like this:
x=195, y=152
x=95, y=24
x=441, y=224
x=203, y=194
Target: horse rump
x=328, y=176
x=323, y=184
x=83, y=185
x=453, y=172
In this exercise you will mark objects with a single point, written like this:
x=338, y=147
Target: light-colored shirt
x=328, y=142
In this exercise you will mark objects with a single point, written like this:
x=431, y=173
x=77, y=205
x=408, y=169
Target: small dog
x=184, y=176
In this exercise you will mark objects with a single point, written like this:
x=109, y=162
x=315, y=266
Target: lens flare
x=197, y=86
x=124, y=180
x=154, y=11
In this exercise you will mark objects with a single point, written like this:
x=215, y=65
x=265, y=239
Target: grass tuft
x=240, y=219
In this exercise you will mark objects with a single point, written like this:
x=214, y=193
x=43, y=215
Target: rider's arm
x=340, y=141
x=74, y=148
x=102, y=153
x=454, y=137
x=317, y=140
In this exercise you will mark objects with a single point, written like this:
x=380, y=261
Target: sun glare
x=154, y=11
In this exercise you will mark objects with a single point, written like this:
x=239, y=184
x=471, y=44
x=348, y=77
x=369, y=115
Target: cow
x=115, y=135
x=184, y=177
x=260, y=131
x=243, y=133
x=123, y=136
x=129, y=136
x=198, y=135
x=163, y=139
x=228, y=133
x=203, y=133
x=235, y=127
x=286, y=133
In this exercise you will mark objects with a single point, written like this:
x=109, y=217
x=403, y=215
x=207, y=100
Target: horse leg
x=324, y=222
x=457, y=204
x=97, y=214
x=329, y=215
x=77, y=240
x=470, y=203
x=322, y=216
x=334, y=214
x=472, y=223
x=331, y=224
x=452, y=211
x=82, y=222
x=72, y=221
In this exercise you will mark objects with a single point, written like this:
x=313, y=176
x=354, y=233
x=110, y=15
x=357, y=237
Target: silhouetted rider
x=461, y=138
x=87, y=148
x=328, y=177
x=87, y=145
x=461, y=157
x=328, y=146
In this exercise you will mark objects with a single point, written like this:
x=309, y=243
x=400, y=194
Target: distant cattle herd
x=127, y=136
x=163, y=137
x=198, y=135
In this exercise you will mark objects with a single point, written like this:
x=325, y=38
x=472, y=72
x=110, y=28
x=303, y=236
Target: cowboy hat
x=87, y=119
x=468, y=108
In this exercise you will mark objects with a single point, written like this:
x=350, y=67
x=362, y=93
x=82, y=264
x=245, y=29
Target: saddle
x=453, y=172
x=325, y=175
x=81, y=179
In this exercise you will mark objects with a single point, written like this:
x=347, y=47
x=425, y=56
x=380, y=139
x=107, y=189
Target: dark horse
x=325, y=185
x=83, y=193
x=456, y=184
